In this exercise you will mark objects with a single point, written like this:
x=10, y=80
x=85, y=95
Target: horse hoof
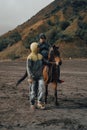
x=57, y=104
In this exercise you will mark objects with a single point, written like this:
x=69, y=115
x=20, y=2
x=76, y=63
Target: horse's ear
x=55, y=47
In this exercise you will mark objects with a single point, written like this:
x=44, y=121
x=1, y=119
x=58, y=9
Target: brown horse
x=51, y=73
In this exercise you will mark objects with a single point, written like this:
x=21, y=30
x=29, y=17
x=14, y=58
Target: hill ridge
x=64, y=23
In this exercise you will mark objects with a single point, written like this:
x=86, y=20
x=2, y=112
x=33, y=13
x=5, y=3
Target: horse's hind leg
x=46, y=93
x=56, y=100
x=55, y=93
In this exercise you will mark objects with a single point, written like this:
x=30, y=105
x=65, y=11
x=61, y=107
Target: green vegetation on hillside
x=64, y=23
x=13, y=38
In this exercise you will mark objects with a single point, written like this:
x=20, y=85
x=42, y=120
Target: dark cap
x=42, y=36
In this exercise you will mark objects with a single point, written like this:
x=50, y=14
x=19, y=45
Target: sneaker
x=40, y=106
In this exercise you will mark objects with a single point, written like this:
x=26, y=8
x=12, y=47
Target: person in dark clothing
x=44, y=50
x=43, y=46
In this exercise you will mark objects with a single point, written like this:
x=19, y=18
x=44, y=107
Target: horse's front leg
x=46, y=93
x=55, y=93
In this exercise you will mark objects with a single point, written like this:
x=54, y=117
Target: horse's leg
x=55, y=93
x=46, y=93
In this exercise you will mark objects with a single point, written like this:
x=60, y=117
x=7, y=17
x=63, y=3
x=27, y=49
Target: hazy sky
x=16, y=12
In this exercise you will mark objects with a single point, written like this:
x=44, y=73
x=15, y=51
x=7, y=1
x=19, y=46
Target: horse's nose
x=57, y=63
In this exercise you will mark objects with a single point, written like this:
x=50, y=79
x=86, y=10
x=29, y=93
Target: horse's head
x=54, y=55
x=56, y=51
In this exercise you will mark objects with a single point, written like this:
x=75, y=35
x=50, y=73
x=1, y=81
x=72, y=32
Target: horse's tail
x=21, y=79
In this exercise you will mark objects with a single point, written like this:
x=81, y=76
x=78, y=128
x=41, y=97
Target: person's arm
x=46, y=62
x=29, y=69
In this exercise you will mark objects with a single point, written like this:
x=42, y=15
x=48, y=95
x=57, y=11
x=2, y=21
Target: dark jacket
x=44, y=49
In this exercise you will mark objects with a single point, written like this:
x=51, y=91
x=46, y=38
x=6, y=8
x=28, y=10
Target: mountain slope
x=65, y=24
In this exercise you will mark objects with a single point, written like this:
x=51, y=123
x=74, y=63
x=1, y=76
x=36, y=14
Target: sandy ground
x=71, y=114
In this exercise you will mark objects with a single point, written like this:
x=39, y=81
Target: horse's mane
x=54, y=51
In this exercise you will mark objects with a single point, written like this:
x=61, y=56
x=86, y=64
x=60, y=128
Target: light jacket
x=35, y=63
